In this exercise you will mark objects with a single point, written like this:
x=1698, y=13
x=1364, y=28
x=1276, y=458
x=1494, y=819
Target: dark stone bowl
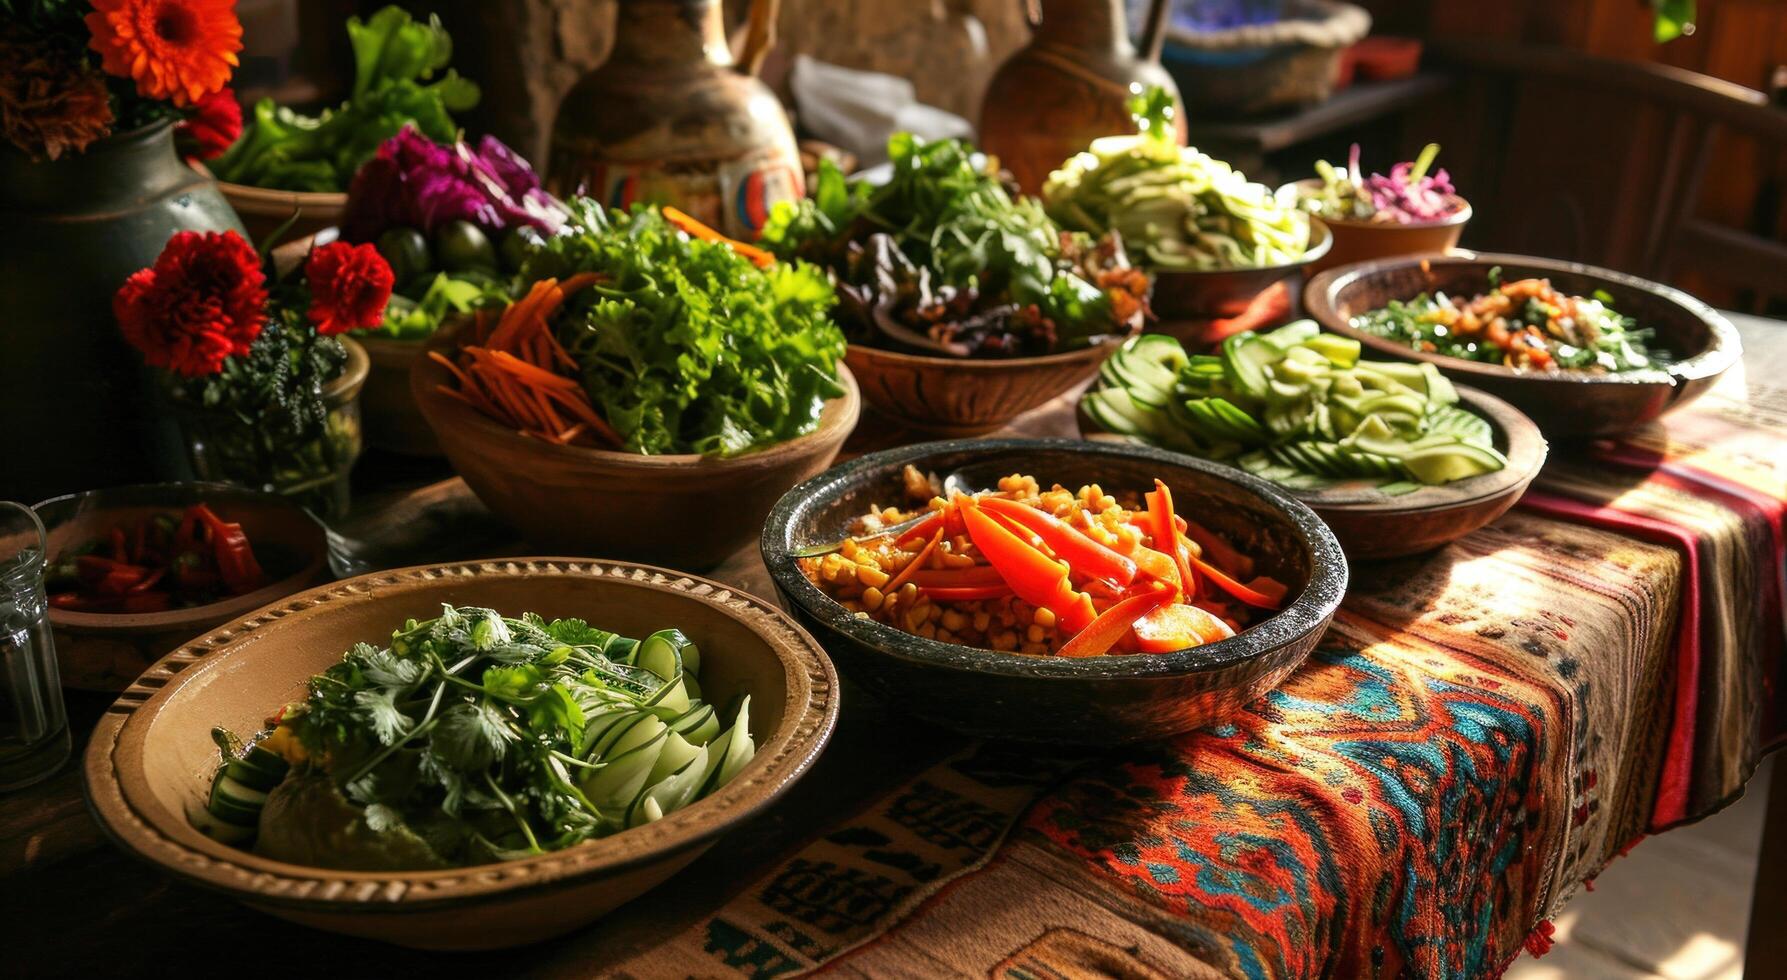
x=1095, y=701
x=1564, y=403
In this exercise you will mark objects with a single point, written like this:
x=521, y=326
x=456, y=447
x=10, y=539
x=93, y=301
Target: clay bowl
x=151, y=755
x=263, y=211
x=1371, y=524
x=1363, y=241
x=1564, y=403
x=683, y=511
x=106, y=651
x=965, y=395
x=388, y=411
x=1219, y=294
x=1098, y=700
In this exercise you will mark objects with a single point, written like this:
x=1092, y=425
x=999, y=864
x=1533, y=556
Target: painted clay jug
x=673, y=118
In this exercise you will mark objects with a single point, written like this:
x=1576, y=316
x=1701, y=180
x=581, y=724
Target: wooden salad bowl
x=1374, y=525
x=1184, y=300
x=151, y=757
x=684, y=511
x=967, y=395
x=1363, y=241
x=1565, y=404
x=1106, y=700
x=263, y=210
x=106, y=651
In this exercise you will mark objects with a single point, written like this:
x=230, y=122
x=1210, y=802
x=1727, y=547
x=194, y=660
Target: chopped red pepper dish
x=1047, y=572
x=159, y=563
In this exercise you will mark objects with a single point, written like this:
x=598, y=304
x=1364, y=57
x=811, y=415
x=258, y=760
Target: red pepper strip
x=956, y=578
x=120, y=552
x=1232, y=587
x=148, y=581
x=915, y=564
x=137, y=534
x=1178, y=627
x=1110, y=626
x=1157, y=566
x=1082, y=554
x=965, y=593
x=1034, y=576
x=923, y=529
x=1271, y=588
x=235, y=559
x=1166, y=534
x=74, y=601
x=1220, y=552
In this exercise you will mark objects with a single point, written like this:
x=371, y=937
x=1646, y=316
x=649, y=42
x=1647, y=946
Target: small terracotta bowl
x=1202, y=295
x=1092, y=701
x=1565, y=404
x=967, y=395
x=263, y=211
x=152, y=757
x=684, y=511
x=1372, y=525
x=1362, y=241
x=106, y=651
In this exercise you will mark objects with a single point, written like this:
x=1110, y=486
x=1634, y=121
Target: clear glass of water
x=34, y=739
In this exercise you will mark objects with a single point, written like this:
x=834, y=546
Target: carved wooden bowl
x=152, y=757
x=966, y=395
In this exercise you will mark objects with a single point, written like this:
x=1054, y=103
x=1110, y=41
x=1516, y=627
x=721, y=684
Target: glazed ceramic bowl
x=966, y=395
x=151, y=757
x=1371, y=524
x=106, y=651
x=1097, y=700
x=1196, y=296
x=1563, y=403
x=689, y=512
x=1364, y=241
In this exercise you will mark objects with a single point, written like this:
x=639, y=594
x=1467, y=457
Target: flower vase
x=72, y=230
x=226, y=447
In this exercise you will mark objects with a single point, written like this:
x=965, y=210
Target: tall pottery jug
x=1070, y=85
x=672, y=118
x=77, y=398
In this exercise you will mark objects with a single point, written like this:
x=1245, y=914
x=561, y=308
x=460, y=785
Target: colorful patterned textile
x=1482, y=730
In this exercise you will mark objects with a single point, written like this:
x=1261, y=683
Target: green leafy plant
x=395, y=56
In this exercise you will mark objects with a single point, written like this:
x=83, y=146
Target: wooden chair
x=1634, y=142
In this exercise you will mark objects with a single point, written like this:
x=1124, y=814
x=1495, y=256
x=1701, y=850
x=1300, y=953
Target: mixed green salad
x=396, y=59
x=1174, y=207
x=1525, y=324
x=473, y=738
x=1295, y=406
x=944, y=258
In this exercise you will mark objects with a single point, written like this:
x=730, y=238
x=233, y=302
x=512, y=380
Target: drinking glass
x=34, y=739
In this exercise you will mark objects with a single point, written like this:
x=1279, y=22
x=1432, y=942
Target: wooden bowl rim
x=267, y=196
x=1308, y=612
x=988, y=365
x=1526, y=453
x=1460, y=215
x=1323, y=245
x=1723, y=351
x=125, y=809
x=196, y=617
x=836, y=421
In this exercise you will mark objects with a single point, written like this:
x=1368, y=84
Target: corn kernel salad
x=1044, y=572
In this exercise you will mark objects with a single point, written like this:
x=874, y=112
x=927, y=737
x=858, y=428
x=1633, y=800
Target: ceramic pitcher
x=1070, y=85
x=672, y=117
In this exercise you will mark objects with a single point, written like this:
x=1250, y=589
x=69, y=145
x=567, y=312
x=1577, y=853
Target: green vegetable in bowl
x=1175, y=207
x=406, y=249
x=474, y=738
x=446, y=295
x=394, y=58
x=1295, y=406
x=462, y=246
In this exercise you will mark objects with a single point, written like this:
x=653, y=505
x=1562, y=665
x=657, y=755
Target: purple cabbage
x=1410, y=195
x=417, y=183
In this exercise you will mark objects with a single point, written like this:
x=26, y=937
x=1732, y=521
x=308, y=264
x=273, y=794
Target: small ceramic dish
x=684, y=511
x=1372, y=524
x=1097, y=700
x=106, y=651
x=1703, y=343
x=967, y=395
x=1200, y=295
x=151, y=756
x=1363, y=241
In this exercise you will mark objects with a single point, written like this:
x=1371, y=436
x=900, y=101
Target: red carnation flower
x=204, y=300
x=213, y=127
x=349, y=286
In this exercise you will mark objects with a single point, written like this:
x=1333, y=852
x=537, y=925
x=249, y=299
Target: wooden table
x=76, y=906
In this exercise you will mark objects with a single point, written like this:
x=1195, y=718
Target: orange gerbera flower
x=179, y=50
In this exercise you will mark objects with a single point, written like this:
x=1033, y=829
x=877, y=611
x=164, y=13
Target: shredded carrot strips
x=695, y=229
x=917, y=562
